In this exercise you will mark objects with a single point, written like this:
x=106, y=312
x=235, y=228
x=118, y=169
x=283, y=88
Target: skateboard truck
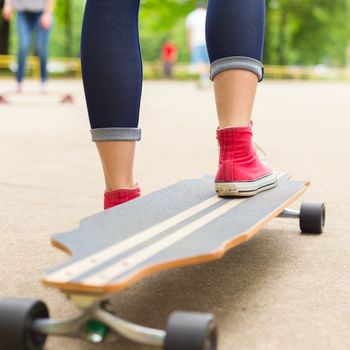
x=95, y=331
x=28, y=326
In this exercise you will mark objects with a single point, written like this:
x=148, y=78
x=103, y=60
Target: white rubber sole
x=246, y=188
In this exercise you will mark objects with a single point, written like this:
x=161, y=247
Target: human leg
x=42, y=44
x=112, y=76
x=24, y=37
x=199, y=57
x=203, y=66
x=235, y=35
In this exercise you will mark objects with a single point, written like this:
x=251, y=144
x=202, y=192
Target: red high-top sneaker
x=241, y=172
x=113, y=198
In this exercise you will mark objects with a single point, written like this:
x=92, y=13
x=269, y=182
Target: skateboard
x=183, y=224
x=62, y=98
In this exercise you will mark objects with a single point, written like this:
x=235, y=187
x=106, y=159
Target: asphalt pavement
x=280, y=290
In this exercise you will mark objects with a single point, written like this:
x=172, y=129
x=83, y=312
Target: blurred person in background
x=169, y=57
x=112, y=76
x=195, y=26
x=33, y=17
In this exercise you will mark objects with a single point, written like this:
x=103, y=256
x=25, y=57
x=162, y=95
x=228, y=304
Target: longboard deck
x=183, y=224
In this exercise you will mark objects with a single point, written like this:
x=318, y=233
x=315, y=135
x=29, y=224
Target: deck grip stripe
x=110, y=273
x=73, y=270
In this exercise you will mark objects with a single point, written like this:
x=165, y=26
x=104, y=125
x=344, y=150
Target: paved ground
x=280, y=290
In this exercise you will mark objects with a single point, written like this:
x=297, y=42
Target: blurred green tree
x=307, y=31
x=301, y=32
x=64, y=18
x=66, y=34
x=298, y=32
x=161, y=20
x=4, y=33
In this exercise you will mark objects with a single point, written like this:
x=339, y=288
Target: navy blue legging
x=112, y=64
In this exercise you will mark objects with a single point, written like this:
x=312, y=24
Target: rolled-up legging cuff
x=116, y=134
x=237, y=62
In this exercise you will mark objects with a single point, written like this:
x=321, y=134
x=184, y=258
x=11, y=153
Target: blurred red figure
x=169, y=56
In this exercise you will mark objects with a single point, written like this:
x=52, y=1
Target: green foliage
x=161, y=20
x=65, y=36
x=307, y=31
x=300, y=32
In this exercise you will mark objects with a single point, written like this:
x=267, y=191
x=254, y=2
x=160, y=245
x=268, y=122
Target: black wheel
x=312, y=217
x=67, y=99
x=4, y=100
x=191, y=331
x=16, y=318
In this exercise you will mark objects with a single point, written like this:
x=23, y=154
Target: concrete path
x=280, y=290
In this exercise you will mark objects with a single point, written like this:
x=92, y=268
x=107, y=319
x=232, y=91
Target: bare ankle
x=121, y=185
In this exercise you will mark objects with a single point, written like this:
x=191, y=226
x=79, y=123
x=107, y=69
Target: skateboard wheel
x=67, y=99
x=191, y=331
x=3, y=99
x=312, y=217
x=16, y=318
